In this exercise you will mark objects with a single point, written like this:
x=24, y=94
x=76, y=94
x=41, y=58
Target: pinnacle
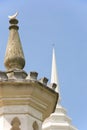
x=14, y=57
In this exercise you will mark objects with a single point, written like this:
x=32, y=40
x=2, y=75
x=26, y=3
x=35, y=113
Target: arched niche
x=15, y=124
x=35, y=126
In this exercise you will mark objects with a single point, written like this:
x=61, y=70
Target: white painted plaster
x=26, y=114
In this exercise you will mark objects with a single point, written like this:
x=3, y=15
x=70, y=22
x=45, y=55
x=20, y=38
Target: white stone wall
x=26, y=114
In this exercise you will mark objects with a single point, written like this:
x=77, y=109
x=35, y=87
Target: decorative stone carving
x=44, y=80
x=20, y=74
x=35, y=126
x=3, y=76
x=15, y=124
x=32, y=76
x=53, y=86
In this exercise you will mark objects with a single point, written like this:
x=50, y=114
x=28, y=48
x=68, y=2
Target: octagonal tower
x=25, y=101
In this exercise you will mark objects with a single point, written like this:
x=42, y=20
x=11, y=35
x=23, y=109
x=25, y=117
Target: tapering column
x=14, y=57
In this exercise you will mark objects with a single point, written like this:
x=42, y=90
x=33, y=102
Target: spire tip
x=53, y=44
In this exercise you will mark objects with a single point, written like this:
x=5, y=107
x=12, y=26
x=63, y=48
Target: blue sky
x=64, y=23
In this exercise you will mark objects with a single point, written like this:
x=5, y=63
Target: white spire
x=59, y=119
x=54, y=76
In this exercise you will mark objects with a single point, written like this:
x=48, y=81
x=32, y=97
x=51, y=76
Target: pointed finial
x=14, y=57
x=13, y=16
x=54, y=75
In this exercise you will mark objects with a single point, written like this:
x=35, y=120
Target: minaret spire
x=54, y=74
x=14, y=57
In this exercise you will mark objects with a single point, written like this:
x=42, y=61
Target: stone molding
x=30, y=93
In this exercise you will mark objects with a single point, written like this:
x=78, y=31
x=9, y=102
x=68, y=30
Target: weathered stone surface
x=14, y=57
x=32, y=76
x=32, y=93
x=44, y=80
x=3, y=76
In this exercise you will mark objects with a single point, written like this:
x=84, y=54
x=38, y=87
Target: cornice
x=31, y=93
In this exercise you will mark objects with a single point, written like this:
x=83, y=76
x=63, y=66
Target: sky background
x=60, y=22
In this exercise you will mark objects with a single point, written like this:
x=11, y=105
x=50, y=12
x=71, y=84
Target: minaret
x=59, y=119
x=25, y=101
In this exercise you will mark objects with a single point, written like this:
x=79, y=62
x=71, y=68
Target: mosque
x=26, y=102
